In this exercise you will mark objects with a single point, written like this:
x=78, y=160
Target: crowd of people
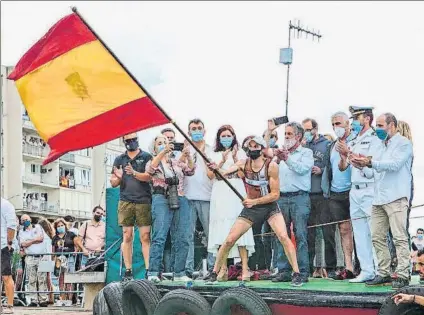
x=304, y=206
x=355, y=190
x=46, y=251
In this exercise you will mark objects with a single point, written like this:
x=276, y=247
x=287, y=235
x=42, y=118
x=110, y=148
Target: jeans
x=315, y=235
x=176, y=221
x=199, y=209
x=296, y=209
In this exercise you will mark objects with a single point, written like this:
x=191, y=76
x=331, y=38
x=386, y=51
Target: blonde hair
x=404, y=129
x=329, y=137
x=47, y=227
x=153, y=143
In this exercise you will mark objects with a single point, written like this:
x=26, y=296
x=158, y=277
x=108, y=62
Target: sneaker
x=7, y=310
x=154, y=279
x=44, y=304
x=361, y=278
x=211, y=278
x=33, y=303
x=344, y=275
x=183, y=279
x=128, y=276
x=282, y=277
x=297, y=280
x=331, y=274
x=380, y=281
x=399, y=283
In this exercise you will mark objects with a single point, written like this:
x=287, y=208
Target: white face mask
x=289, y=143
x=340, y=132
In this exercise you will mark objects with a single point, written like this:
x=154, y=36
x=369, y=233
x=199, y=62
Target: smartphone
x=178, y=146
x=280, y=120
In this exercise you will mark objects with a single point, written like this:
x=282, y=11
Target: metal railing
x=34, y=150
x=39, y=179
x=37, y=205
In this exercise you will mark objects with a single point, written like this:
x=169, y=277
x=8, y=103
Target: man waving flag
x=77, y=93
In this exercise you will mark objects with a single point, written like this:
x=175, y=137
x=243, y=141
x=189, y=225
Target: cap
x=357, y=110
x=259, y=140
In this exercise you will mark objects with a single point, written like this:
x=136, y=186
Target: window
x=35, y=169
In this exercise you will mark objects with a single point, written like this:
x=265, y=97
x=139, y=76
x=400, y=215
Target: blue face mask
x=272, y=142
x=381, y=133
x=308, y=136
x=26, y=223
x=356, y=126
x=161, y=148
x=420, y=237
x=197, y=135
x=226, y=141
x=61, y=230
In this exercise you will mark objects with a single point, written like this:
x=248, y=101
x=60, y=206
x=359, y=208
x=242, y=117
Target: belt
x=340, y=193
x=316, y=194
x=291, y=194
x=159, y=191
x=361, y=186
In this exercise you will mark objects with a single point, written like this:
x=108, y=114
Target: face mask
x=131, y=144
x=340, y=132
x=254, y=154
x=381, y=133
x=272, y=142
x=308, y=136
x=97, y=218
x=290, y=143
x=420, y=237
x=161, y=148
x=226, y=141
x=356, y=126
x=197, y=136
x=61, y=230
x=26, y=223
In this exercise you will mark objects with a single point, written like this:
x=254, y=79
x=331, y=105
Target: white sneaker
x=183, y=279
x=361, y=278
x=154, y=279
x=7, y=310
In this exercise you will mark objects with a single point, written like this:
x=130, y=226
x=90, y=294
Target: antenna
x=286, y=54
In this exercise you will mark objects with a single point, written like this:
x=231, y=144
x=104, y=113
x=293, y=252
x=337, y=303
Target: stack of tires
x=141, y=297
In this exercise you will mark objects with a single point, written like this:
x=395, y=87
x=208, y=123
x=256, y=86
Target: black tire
x=100, y=306
x=183, y=301
x=113, y=295
x=248, y=299
x=140, y=297
x=390, y=308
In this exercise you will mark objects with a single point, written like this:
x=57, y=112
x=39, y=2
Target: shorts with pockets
x=130, y=213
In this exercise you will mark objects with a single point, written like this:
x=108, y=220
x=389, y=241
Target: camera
x=172, y=192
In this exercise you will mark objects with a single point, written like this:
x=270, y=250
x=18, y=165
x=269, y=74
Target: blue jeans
x=178, y=222
x=199, y=209
x=296, y=209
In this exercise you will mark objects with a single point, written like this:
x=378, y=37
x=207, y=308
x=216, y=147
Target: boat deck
x=316, y=293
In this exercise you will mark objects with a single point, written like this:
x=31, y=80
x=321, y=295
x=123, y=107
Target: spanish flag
x=77, y=94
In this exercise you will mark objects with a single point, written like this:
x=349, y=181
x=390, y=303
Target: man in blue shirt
x=336, y=186
x=295, y=167
x=391, y=169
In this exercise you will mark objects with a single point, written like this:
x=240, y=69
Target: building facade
x=71, y=185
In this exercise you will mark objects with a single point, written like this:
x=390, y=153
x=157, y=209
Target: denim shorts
x=260, y=213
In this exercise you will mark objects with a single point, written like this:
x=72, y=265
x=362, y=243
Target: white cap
x=259, y=140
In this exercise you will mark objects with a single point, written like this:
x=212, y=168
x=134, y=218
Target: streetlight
x=286, y=54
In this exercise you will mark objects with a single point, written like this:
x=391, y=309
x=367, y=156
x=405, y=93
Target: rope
x=342, y=221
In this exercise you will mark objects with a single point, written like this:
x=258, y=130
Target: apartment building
x=71, y=185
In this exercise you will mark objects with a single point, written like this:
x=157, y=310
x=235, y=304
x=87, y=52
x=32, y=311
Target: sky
x=218, y=60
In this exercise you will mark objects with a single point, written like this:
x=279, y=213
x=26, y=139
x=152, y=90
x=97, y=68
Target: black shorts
x=338, y=207
x=6, y=262
x=260, y=213
x=319, y=206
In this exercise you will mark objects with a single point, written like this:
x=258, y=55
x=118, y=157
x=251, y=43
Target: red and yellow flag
x=77, y=94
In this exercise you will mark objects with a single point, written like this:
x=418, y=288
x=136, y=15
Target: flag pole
x=217, y=172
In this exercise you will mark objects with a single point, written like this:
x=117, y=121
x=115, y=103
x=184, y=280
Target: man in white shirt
x=8, y=231
x=391, y=168
x=362, y=191
x=31, y=239
x=198, y=189
x=295, y=169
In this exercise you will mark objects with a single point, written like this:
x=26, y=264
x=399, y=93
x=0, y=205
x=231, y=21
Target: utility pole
x=286, y=54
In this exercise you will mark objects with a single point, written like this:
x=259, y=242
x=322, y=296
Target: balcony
x=68, y=157
x=27, y=123
x=34, y=150
x=39, y=206
x=39, y=180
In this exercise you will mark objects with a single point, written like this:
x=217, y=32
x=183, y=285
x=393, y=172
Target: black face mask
x=131, y=144
x=97, y=218
x=254, y=154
